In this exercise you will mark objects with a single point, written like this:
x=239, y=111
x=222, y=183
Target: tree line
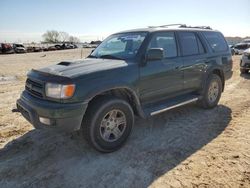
x=53, y=36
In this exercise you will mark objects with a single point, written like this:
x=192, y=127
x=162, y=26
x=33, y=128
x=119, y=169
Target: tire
x=243, y=71
x=209, y=99
x=98, y=129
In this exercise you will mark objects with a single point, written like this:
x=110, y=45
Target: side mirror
x=154, y=54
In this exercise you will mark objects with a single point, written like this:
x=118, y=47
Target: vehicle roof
x=155, y=29
x=242, y=44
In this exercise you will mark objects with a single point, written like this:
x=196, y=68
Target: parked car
x=246, y=41
x=245, y=62
x=6, y=48
x=67, y=46
x=50, y=48
x=19, y=48
x=86, y=46
x=34, y=49
x=141, y=72
x=240, y=48
x=70, y=46
x=232, y=49
x=58, y=47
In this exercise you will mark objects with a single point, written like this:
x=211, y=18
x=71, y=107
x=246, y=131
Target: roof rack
x=182, y=26
x=198, y=27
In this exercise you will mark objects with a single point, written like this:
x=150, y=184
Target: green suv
x=140, y=72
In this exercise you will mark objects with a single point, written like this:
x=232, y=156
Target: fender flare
x=131, y=92
x=208, y=73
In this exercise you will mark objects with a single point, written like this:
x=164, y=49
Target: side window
x=216, y=41
x=201, y=48
x=189, y=44
x=166, y=41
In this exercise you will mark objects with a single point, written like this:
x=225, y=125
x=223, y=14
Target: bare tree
x=51, y=36
x=73, y=39
x=64, y=36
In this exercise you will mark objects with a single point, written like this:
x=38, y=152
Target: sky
x=27, y=20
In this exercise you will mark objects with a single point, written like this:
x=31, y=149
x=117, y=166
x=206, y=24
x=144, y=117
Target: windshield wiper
x=110, y=57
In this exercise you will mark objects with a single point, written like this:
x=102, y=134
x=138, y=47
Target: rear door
x=194, y=59
x=221, y=52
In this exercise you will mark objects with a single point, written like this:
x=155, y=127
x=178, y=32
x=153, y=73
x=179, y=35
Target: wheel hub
x=213, y=92
x=113, y=125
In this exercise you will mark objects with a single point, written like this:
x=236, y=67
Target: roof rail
x=198, y=27
x=182, y=26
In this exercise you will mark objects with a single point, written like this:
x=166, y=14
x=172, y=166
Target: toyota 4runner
x=140, y=72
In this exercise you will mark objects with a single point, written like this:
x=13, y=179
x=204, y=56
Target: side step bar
x=174, y=106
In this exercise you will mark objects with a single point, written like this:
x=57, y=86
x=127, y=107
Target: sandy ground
x=185, y=147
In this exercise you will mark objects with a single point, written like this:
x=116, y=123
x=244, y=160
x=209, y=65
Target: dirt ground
x=184, y=147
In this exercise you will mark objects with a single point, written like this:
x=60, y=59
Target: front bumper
x=63, y=116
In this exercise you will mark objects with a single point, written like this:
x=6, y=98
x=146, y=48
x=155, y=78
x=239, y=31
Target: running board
x=174, y=106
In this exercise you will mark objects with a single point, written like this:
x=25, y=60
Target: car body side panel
x=159, y=79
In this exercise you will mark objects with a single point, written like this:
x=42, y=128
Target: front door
x=160, y=79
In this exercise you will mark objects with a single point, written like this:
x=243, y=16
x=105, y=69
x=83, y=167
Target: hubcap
x=113, y=125
x=213, y=92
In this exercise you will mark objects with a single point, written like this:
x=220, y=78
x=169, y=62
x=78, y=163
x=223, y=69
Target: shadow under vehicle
x=43, y=158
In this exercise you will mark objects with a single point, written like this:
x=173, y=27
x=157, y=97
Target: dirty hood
x=81, y=67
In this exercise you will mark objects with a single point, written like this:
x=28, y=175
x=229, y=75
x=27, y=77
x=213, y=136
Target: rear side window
x=216, y=41
x=189, y=44
x=201, y=48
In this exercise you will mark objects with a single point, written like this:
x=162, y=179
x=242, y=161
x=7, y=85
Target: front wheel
x=212, y=93
x=107, y=123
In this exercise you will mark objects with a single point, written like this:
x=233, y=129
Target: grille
x=34, y=88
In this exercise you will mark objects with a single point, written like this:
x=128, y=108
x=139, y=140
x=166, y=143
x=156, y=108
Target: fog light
x=45, y=121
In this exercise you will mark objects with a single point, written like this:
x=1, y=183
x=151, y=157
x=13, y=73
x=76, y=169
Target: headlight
x=59, y=91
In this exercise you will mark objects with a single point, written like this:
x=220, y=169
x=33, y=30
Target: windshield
x=241, y=46
x=119, y=46
x=19, y=45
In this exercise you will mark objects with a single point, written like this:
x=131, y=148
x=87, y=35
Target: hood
x=81, y=67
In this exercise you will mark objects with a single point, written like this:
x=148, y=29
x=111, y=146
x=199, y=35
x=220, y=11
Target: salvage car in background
x=34, y=49
x=6, y=48
x=245, y=62
x=232, y=49
x=240, y=48
x=19, y=48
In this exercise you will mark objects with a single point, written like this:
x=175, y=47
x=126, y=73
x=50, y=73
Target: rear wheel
x=212, y=92
x=107, y=123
